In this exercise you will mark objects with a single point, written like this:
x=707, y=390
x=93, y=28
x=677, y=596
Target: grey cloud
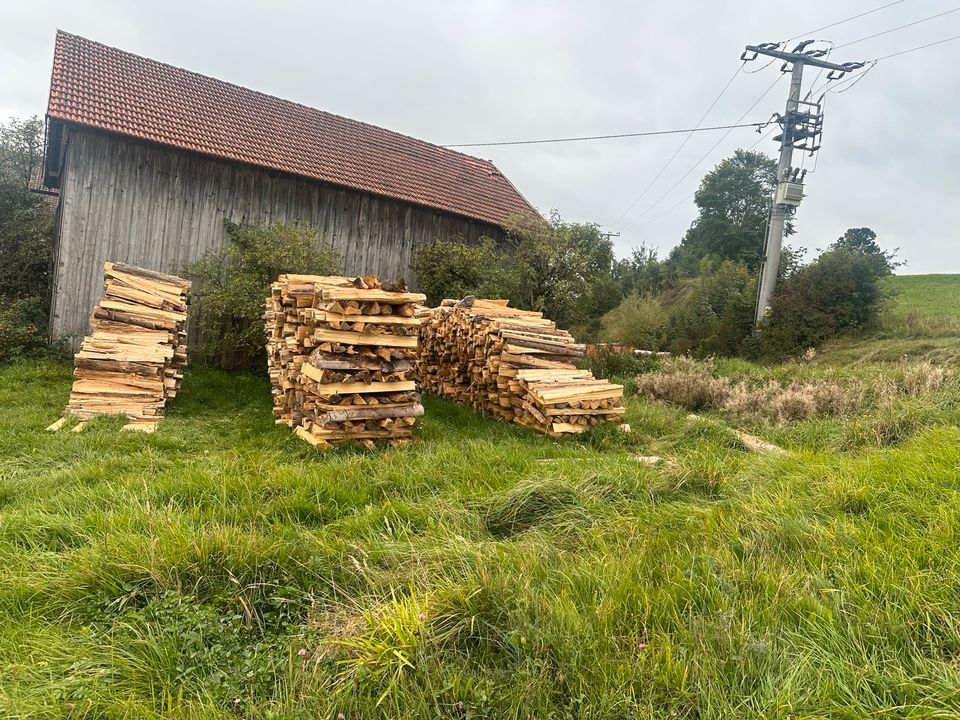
x=492, y=70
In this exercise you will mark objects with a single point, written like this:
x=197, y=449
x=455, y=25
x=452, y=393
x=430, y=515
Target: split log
x=513, y=364
x=340, y=358
x=130, y=362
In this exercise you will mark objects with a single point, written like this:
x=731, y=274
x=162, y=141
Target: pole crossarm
x=811, y=57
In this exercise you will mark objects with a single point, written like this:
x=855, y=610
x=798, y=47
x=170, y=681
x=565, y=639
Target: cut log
x=379, y=296
x=758, y=445
x=513, y=364
x=130, y=362
x=340, y=354
x=56, y=425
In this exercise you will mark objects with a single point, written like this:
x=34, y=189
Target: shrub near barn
x=26, y=226
x=231, y=283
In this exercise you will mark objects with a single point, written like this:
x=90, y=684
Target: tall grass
x=221, y=568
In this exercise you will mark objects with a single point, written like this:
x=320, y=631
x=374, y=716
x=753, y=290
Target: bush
x=686, y=383
x=454, y=269
x=637, y=322
x=713, y=313
x=838, y=292
x=562, y=269
x=23, y=325
x=232, y=282
x=695, y=385
x=610, y=363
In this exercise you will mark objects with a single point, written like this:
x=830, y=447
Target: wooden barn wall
x=140, y=203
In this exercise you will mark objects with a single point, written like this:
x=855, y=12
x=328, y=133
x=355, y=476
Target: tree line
x=698, y=300
x=26, y=228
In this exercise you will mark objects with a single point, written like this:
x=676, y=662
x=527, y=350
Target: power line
x=899, y=27
x=647, y=133
x=680, y=147
x=688, y=198
x=765, y=136
x=854, y=81
x=846, y=20
x=705, y=155
x=919, y=47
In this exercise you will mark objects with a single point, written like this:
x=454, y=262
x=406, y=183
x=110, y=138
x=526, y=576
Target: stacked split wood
x=340, y=354
x=514, y=364
x=131, y=362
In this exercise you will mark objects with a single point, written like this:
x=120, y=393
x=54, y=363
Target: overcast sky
x=490, y=70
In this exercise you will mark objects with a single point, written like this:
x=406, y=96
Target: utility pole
x=609, y=235
x=801, y=130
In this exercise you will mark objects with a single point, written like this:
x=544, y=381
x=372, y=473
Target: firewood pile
x=340, y=355
x=514, y=364
x=132, y=361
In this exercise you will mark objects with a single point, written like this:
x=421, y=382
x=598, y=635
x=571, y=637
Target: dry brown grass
x=332, y=626
x=692, y=385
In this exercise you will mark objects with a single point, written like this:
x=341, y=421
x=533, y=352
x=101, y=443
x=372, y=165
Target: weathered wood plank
x=162, y=208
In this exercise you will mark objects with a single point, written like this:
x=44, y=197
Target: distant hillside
x=933, y=295
x=922, y=321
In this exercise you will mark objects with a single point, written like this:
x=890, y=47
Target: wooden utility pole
x=801, y=130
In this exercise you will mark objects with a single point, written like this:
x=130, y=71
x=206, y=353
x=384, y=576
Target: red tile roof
x=106, y=88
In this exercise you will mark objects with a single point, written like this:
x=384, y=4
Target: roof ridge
x=211, y=78
x=104, y=87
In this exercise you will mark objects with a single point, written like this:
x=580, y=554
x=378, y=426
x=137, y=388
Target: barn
x=150, y=159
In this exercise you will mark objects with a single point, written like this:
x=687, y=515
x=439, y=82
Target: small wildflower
x=302, y=652
x=341, y=716
x=421, y=616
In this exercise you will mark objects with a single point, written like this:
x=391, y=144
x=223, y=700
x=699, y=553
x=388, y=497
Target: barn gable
x=149, y=160
x=101, y=87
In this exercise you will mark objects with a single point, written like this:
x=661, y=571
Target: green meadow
x=222, y=568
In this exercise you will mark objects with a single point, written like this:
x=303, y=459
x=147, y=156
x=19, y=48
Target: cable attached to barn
x=648, y=133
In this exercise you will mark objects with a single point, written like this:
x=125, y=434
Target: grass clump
x=527, y=505
x=752, y=395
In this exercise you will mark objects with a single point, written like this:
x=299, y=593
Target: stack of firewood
x=131, y=363
x=514, y=364
x=340, y=354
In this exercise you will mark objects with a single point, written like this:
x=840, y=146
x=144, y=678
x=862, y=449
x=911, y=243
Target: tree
x=838, y=292
x=641, y=273
x=21, y=150
x=26, y=226
x=733, y=200
x=561, y=268
x=863, y=240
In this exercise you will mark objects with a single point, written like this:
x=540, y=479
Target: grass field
x=221, y=568
x=922, y=321
x=936, y=296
